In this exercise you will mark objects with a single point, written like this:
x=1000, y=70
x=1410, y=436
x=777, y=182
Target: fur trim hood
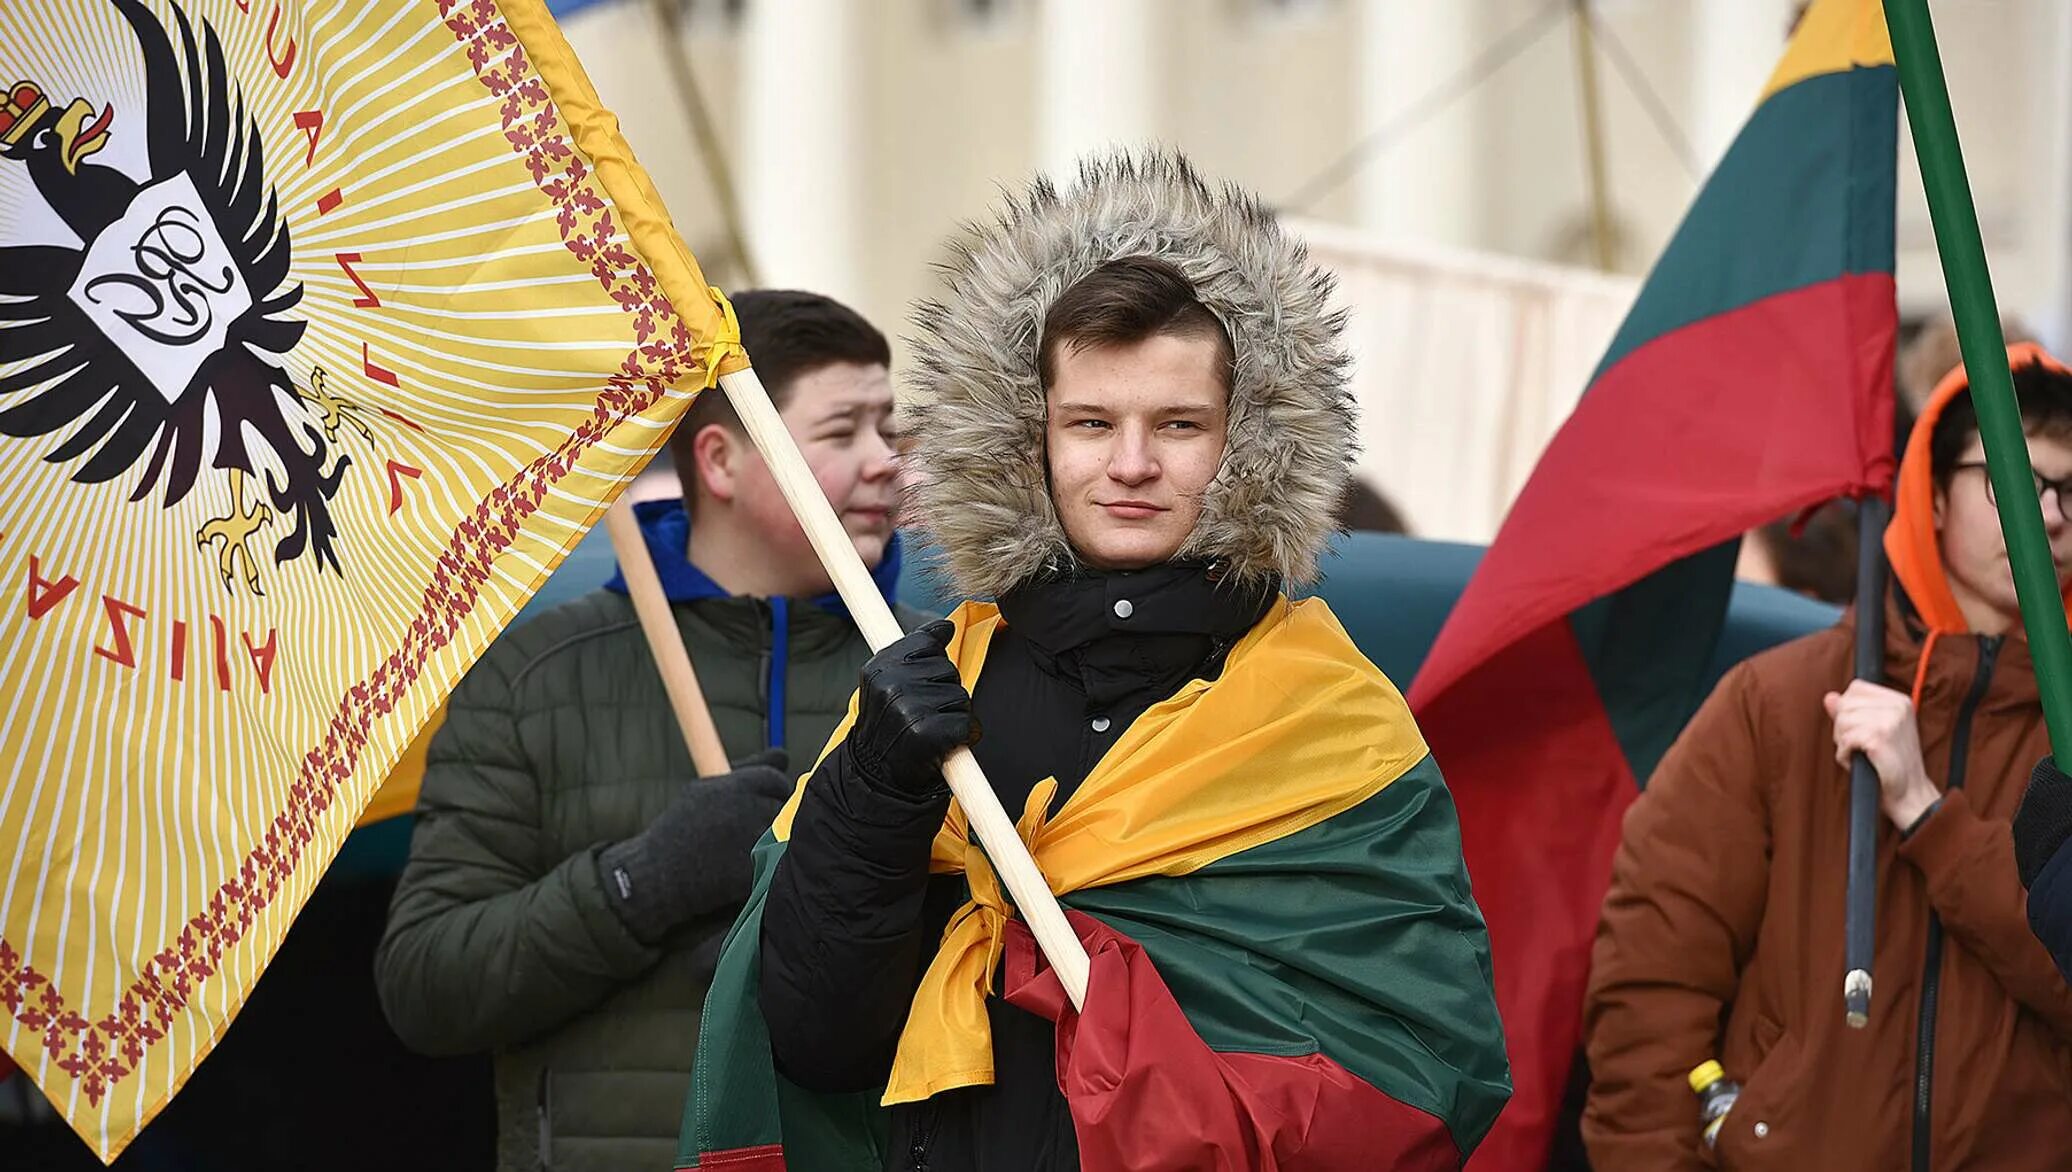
x=975, y=409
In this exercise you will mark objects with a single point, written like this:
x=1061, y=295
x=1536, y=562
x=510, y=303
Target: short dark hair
x=1819, y=559
x=788, y=334
x=1363, y=508
x=2045, y=394
x=1126, y=301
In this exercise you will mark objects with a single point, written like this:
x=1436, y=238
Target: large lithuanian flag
x=1751, y=380
x=1286, y=958
x=326, y=328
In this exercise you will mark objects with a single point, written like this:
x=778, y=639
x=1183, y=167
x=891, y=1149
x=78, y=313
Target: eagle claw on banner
x=236, y=532
x=149, y=338
x=204, y=462
x=335, y=411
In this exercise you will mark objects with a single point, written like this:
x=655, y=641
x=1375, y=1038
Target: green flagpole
x=1985, y=359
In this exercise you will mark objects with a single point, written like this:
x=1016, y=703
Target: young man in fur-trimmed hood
x=1133, y=429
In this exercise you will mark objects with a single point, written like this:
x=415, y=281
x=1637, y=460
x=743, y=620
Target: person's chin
x=1127, y=553
x=870, y=546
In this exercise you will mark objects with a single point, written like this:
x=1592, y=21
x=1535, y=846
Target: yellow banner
x=327, y=327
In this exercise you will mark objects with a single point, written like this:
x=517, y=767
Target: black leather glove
x=911, y=711
x=693, y=859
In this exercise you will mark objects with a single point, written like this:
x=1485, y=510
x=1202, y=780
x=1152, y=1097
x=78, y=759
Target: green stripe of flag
x=1804, y=195
x=1357, y=938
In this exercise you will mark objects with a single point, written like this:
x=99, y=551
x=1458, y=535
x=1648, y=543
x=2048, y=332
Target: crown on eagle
x=25, y=107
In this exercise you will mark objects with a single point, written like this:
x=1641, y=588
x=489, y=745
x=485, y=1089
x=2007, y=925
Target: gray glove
x=693, y=859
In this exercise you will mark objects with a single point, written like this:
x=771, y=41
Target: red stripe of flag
x=1148, y=1095
x=1688, y=441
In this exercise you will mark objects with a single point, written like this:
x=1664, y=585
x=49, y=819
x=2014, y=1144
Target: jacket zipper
x=765, y=655
x=546, y=1118
x=1931, y=974
x=924, y=1134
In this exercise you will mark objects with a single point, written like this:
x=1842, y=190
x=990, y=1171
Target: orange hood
x=1910, y=542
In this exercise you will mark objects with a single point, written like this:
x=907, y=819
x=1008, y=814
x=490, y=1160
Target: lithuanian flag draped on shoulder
x=326, y=328
x=1751, y=380
x=1266, y=871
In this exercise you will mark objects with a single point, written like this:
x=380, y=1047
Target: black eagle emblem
x=157, y=338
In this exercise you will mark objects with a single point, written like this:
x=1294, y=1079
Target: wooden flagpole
x=989, y=821
x=672, y=658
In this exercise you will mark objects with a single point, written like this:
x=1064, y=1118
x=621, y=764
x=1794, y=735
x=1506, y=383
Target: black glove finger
x=892, y=684
x=893, y=662
x=769, y=784
x=931, y=642
x=918, y=647
x=934, y=637
x=948, y=730
x=929, y=684
x=932, y=668
x=776, y=759
x=942, y=726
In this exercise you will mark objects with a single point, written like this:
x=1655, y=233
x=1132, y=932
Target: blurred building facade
x=859, y=132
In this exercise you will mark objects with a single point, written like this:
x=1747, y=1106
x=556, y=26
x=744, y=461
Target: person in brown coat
x=1722, y=931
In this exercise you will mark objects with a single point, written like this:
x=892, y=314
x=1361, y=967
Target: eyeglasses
x=2058, y=488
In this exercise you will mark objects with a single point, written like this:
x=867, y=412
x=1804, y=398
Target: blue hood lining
x=666, y=526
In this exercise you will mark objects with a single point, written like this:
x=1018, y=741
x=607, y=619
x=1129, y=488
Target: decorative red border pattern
x=103, y=1053
x=766, y=1158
